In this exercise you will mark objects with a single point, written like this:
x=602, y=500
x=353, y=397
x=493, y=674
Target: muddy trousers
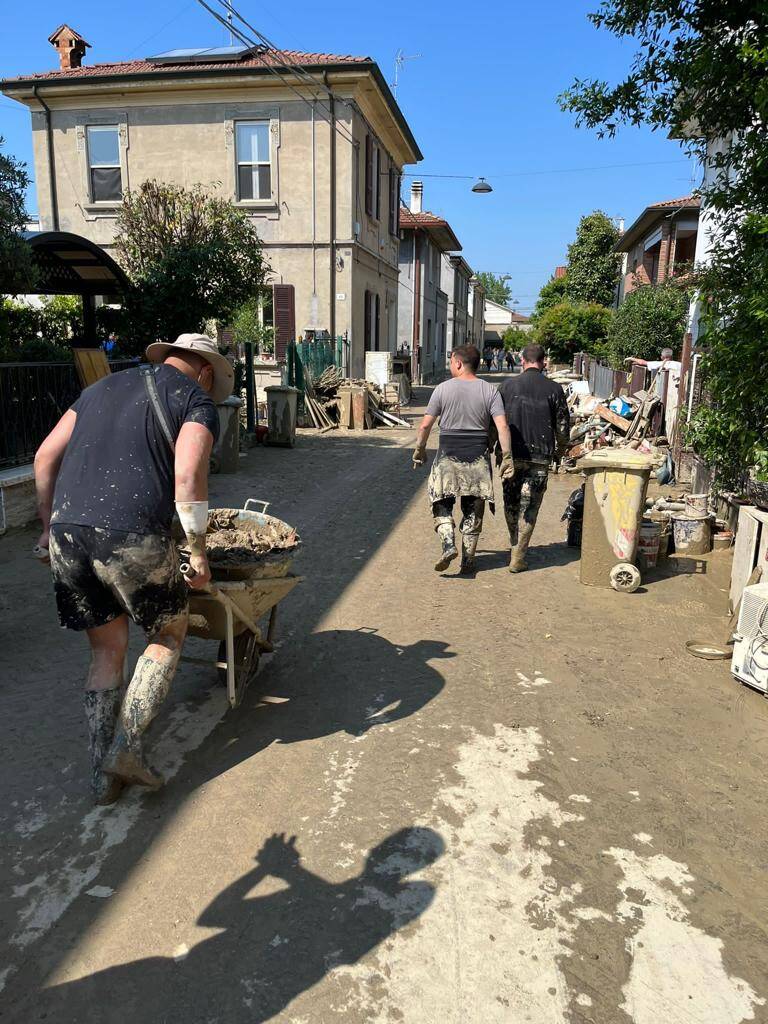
x=523, y=495
x=472, y=512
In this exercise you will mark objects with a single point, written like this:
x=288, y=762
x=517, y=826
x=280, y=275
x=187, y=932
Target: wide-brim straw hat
x=201, y=345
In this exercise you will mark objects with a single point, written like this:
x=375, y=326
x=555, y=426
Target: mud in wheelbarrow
x=239, y=609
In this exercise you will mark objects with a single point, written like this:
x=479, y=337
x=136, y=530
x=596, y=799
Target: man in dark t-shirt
x=132, y=449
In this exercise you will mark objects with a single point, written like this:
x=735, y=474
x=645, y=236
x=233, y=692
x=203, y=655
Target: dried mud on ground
x=514, y=799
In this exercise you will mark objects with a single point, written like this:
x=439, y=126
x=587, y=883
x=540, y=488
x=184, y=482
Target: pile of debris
x=627, y=421
x=331, y=401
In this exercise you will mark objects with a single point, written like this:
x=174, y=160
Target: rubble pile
x=626, y=421
x=332, y=401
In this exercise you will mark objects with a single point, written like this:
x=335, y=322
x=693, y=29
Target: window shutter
x=376, y=322
x=377, y=183
x=394, y=194
x=284, y=306
x=367, y=325
x=368, y=175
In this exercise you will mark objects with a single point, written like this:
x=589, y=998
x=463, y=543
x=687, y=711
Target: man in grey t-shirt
x=465, y=407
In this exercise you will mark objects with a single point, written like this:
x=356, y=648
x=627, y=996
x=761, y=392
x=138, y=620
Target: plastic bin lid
x=284, y=388
x=615, y=458
x=233, y=402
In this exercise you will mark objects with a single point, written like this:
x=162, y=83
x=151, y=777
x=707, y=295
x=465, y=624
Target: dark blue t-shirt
x=118, y=468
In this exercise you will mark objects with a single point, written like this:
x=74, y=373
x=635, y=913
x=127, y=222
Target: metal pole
x=250, y=417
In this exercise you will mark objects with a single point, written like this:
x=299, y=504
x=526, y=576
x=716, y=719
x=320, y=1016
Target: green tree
x=17, y=272
x=552, y=293
x=496, y=287
x=593, y=266
x=699, y=74
x=513, y=339
x=190, y=257
x=649, y=319
x=247, y=325
x=571, y=327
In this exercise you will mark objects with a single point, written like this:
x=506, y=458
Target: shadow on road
x=272, y=948
x=359, y=681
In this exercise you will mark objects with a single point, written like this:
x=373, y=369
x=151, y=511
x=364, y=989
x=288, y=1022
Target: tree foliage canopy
x=649, y=319
x=552, y=293
x=593, y=266
x=190, y=257
x=496, y=287
x=571, y=327
x=17, y=273
x=700, y=73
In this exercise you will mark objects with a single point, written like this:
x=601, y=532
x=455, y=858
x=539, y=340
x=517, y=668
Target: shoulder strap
x=150, y=384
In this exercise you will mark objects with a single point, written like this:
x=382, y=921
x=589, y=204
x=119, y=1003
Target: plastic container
x=614, y=499
x=693, y=534
x=282, y=405
x=648, y=545
x=696, y=503
x=225, y=457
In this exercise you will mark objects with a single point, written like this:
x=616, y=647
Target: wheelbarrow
x=238, y=597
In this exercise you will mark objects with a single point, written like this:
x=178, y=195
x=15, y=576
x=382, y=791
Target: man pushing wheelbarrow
x=133, y=447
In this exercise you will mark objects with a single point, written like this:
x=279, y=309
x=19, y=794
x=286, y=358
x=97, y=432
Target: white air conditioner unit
x=750, y=652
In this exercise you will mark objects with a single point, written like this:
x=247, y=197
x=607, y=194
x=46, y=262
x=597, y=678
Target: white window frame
x=107, y=119
x=250, y=113
x=89, y=130
x=242, y=122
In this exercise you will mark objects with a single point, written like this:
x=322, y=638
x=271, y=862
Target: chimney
x=417, y=194
x=70, y=46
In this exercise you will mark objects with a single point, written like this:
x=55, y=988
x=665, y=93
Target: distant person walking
x=539, y=423
x=465, y=407
x=487, y=357
x=510, y=361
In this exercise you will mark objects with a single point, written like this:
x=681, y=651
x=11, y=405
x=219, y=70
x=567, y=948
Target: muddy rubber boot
x=102, y=710
x=144, y=697
x=449, y=551
x=468, y=549
x=517, y=560
x=126, y=763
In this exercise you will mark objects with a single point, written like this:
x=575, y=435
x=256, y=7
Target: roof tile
x=144, y=67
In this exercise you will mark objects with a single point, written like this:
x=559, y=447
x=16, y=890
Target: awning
x=73, y=265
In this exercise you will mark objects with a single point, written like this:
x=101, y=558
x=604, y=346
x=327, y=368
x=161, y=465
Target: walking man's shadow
x=272, y=947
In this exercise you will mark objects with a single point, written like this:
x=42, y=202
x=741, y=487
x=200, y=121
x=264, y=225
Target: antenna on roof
x=400, y=59
x=229, y=22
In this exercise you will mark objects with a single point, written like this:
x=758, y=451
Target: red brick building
x=660, y=244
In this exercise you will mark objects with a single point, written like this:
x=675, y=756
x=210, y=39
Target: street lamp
x=481, y=185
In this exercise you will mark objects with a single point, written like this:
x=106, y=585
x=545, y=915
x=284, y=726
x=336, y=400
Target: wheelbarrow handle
x=213, y=591
x=256, y=501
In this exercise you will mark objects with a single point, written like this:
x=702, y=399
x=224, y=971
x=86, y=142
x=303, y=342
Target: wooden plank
x=91, y=365
x=744, y=552
x=613, y=418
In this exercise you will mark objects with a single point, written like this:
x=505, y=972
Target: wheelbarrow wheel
x=247, y=654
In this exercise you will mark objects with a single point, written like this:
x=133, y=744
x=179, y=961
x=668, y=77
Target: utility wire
x=267, y=52
x=553, y=170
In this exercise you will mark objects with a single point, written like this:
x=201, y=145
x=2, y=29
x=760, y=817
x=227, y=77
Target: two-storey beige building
x=311, y=146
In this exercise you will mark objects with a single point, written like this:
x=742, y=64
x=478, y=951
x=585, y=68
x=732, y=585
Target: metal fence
x=33, y=396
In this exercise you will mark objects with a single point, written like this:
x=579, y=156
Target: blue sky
x=481, y=100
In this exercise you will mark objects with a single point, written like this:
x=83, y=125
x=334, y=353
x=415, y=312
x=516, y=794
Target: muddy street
x=493, y=799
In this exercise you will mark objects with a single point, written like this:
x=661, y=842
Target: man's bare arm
x=420, y=451
x=47, y=464
x=193, y=453
x=505, y=438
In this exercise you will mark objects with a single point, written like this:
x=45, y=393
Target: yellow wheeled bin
x=614, y=501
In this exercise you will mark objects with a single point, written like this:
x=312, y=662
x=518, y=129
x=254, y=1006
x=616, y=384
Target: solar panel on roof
x=202, y=55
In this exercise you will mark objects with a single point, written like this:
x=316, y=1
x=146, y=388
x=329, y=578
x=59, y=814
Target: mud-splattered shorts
x=99, y=575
